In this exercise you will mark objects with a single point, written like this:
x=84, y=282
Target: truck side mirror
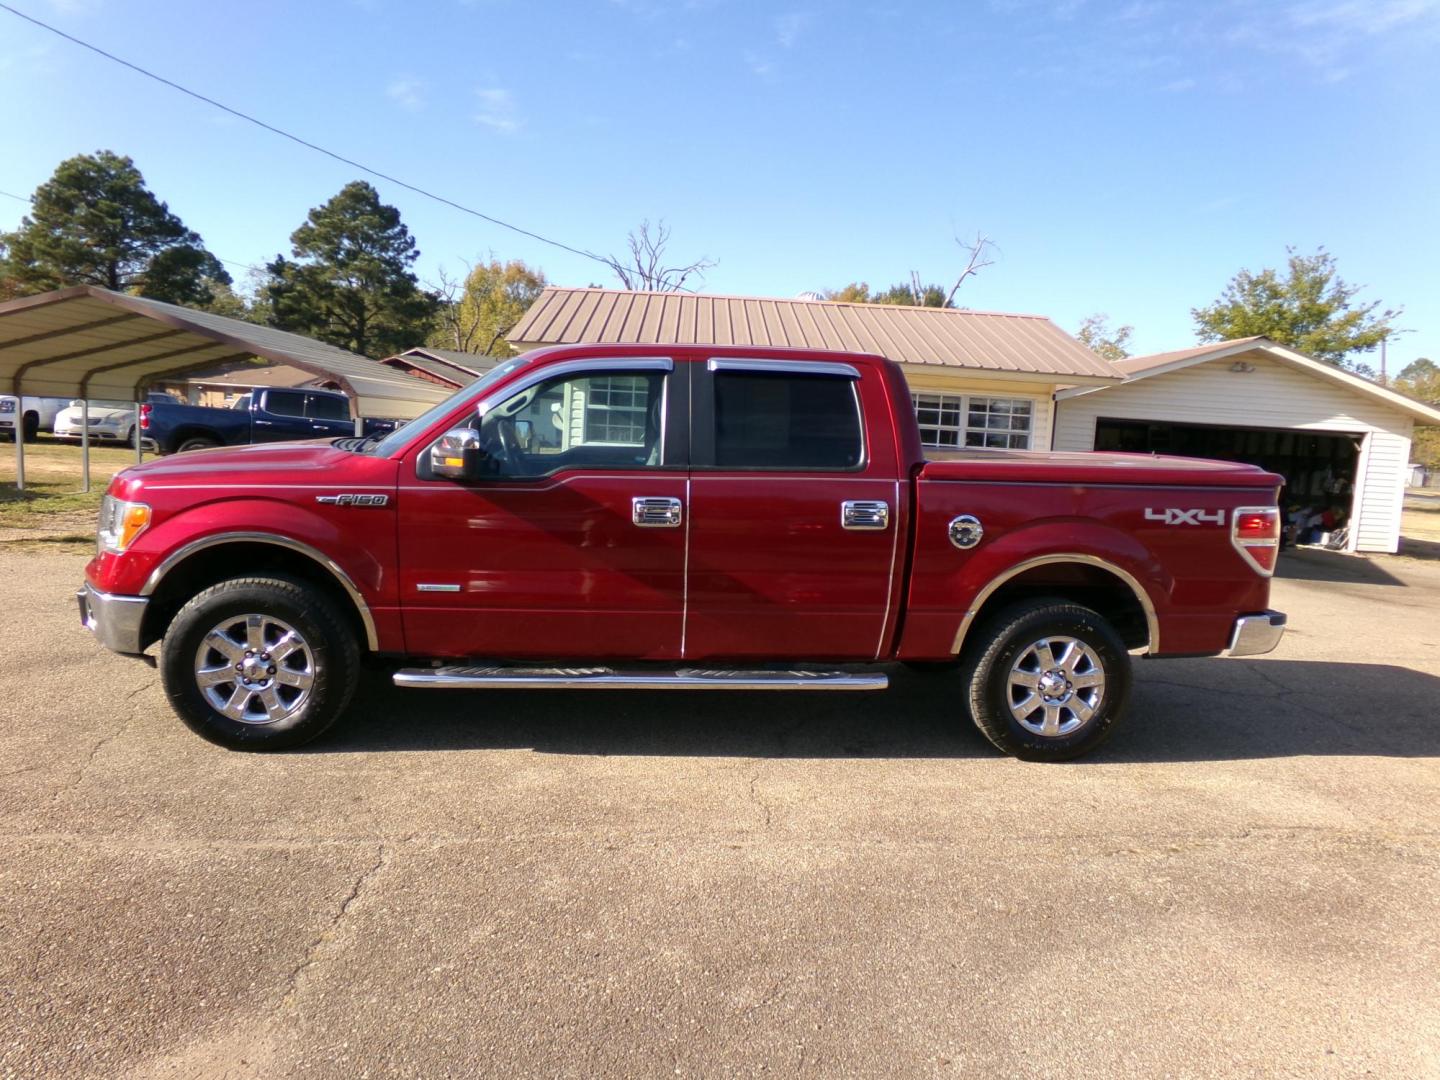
x=457, y=455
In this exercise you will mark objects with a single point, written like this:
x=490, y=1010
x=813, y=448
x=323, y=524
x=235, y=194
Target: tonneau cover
x=1036, y=467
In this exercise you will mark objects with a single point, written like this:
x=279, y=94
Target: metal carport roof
x=88, y=342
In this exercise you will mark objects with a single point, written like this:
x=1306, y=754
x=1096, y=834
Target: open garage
x=1341, y=442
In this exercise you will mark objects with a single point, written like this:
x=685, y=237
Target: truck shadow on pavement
x=1207, y=710
x=1317, y=564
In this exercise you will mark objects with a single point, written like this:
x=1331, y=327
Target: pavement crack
x=758, y=800
x=105, y=740
x=315, y=953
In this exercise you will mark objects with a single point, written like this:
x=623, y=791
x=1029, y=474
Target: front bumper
x=1256, y=634
x=75, y=431
x=114, y=620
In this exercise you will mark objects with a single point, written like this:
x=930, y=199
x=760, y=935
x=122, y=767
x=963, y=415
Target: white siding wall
x=1381, y=496
x=1274, y=395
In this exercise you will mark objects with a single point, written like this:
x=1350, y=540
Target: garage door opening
x=1319, y=468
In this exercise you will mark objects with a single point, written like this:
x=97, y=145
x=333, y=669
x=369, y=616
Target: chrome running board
x=605, y=678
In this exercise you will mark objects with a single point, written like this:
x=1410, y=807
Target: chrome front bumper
x=1256, y=634
x=114, y=620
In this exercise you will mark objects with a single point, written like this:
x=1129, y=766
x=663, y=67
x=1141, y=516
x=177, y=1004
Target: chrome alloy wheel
x=1055, y=686
x=255, y=669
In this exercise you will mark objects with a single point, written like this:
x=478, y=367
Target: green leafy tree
x=350, y=280
x=1309, y=307
x=910, y=294
x=94, y=222
x=1095, y=334
x=1421, y=380
x=1423, y=372
x=476, y=314
x=857, y=292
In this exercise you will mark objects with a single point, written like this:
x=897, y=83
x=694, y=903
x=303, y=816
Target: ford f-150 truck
x=681, y=517
x=256, y=417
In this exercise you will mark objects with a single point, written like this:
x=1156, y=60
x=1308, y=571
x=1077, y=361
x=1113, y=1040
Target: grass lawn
x=52, y=500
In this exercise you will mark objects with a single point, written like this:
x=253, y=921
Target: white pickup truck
x=33, y=414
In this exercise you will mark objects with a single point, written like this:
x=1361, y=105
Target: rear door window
x=786, y=420
x=285, y=402
x=325, y=407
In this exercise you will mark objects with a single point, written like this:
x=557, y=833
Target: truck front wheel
x=1047, y=680
x=259, y=663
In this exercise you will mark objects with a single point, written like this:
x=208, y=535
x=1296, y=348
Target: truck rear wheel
x=1047, y=680
x=259, y=663
x=196, y=442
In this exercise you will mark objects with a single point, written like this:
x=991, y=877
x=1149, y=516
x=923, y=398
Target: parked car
x=109, y=421
x=677, y=517
x=37, y=414
x=256, y=417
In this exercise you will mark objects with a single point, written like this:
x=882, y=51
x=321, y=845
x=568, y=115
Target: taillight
x=1255, y=532
x=145, y=416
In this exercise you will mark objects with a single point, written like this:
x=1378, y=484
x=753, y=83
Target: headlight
x=120, y=523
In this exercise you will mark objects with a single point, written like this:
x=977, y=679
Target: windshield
x=401, y=435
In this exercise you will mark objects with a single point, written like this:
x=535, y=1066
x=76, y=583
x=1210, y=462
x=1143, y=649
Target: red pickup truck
x=677, y=517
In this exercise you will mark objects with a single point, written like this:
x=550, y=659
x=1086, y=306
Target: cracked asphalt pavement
x=1246, y=882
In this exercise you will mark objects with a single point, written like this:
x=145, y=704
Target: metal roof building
x=88, y=342
x=1020, y=346
x=447, y=367
x=1341, y=442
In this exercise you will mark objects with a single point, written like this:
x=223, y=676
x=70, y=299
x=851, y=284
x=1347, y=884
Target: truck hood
x=231, y=464
x=1094, y=467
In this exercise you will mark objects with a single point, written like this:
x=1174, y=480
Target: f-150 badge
x=353, y=500
x=1173, y=516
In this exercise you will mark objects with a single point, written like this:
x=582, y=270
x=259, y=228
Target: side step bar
x=604, y=678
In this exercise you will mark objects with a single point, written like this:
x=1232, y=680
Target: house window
x=952, y=421
x=616, y=410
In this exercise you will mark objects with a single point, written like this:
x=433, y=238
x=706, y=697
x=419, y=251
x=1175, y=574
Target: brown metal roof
x=455, y=368
x=935, y=337
x=86, y=341
x=250, y=376
x=1133, y=364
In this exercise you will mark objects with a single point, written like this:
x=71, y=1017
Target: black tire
x=1004, y=644
x=31, y=426
x=331, y=660
x=196, y=442
x=129, y=439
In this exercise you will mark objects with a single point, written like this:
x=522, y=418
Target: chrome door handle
x=655, y=513
x=864, y=515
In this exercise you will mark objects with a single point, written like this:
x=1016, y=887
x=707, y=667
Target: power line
x=297, y=139
x=18, y=198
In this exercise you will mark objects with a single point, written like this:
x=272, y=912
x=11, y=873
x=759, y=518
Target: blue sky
x=1126, y=157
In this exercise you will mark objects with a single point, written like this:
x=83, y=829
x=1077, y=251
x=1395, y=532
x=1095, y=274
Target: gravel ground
x=1245, y=883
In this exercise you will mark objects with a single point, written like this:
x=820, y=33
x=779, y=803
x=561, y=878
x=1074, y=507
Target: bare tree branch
x=976, y=263
x=644, y=267
x=451, y=291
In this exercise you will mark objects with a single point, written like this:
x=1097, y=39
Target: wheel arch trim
x=180, y=554
x=1152, y=620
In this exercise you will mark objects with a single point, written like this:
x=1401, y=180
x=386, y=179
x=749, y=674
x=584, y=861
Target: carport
x=1341, y=442
x=90, y=343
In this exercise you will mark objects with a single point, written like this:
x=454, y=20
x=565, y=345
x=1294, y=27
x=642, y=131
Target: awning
x=88, y=342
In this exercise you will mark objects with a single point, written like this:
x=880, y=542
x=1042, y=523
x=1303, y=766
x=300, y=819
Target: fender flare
x=1152, y=620
x=180, y=554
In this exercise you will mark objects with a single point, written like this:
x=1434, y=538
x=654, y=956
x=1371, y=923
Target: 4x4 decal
x=1172, y=516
